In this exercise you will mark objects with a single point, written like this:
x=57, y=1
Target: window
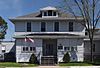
x=73, y=48
x=28, y=49
x=28, y=26
x=60, y=47
x=45, y=13
x=56, y=26
x=86, y=33
x=3, y=49
x=54, y=13
x=70, y=26
x=43, y=26
x=32, y=48
x=50, y=13
x=23, y=48
x=93, y=47
x=67, y=48
x=1, y=56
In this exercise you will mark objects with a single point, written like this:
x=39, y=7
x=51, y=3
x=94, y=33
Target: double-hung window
x=43, y=26
x=28, y=26
x=56, y=26
x=70, y=26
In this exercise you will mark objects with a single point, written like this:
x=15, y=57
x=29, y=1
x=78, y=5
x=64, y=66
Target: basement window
x=28, y=49
x=67, y=48
x=60, y=47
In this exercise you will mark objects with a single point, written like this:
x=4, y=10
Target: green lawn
x=13, y=64
x=75, y=64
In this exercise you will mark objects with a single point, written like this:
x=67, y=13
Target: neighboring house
x=49, y=34
x=5, y=48
x=96, y=46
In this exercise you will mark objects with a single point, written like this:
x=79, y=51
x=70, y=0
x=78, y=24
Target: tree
x=3, y=28
x=89, y=10
x=66, y=58
x=33, y=59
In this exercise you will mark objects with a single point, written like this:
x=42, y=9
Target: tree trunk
x=91, y=43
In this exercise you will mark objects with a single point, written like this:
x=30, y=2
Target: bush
x=33, y=59
x=66, y=58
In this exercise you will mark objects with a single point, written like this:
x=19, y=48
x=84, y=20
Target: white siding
x=49, y=26
x=70, y=43
x=63, y=26
x=36, y=26
x=22, y=56
x=78, y=27
x=19, y=26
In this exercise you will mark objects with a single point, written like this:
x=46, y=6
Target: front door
x=49, y=50
x=49, y=47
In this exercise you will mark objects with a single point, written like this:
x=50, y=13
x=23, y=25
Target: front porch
x=49, y=52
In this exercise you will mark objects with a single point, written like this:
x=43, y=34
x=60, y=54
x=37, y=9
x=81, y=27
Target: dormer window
x=54, y=13
x=49, y=12
x=45, y=13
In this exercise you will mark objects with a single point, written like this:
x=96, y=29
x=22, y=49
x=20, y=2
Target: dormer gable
x=49, y=11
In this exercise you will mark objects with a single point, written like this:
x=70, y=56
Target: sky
x=14, y=8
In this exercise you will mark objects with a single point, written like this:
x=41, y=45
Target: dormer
x=49, y=12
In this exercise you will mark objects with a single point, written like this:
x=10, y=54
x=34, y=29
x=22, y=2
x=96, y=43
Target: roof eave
x=21, y=19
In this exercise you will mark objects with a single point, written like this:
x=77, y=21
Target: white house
x=49, y=34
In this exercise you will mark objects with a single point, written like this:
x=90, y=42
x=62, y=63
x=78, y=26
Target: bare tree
x=89, y=10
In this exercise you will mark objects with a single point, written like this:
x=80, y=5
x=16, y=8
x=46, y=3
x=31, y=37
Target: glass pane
x=60, y=47
x=56, y=26
x=28, y=26
x=43, y=26
x=45, y=13
x=70, y=26
x=66, y=48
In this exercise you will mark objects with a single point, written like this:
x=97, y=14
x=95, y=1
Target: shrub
x=33, y=59
x=66, y=58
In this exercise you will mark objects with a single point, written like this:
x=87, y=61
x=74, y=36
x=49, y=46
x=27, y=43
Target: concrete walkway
x=59, y=67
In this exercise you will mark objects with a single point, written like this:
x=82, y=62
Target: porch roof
x=49, y=35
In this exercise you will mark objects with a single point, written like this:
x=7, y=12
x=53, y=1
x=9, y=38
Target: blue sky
x=14, y=8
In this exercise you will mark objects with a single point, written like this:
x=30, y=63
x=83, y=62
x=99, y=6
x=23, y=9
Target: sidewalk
x=59, y=67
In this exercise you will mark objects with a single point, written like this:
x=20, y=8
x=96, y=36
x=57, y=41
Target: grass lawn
x=75, y=64
x=13, y=64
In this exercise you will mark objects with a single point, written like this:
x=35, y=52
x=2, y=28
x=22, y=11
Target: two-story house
x=52, y=33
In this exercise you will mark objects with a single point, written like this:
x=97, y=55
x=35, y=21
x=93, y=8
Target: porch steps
x=47, y=60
